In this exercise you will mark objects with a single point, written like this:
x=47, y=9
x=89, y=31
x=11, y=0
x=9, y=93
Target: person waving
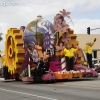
x=88, y=52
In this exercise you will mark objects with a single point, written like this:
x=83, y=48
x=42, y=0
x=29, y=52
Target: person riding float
x=88, y=52
x=68, y=52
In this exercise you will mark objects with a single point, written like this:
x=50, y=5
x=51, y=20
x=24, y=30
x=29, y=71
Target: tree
x=1, y=36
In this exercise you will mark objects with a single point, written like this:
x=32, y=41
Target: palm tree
x=1, y=37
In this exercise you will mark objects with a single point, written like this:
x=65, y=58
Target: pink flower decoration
x=65, y=14
x=59, y=22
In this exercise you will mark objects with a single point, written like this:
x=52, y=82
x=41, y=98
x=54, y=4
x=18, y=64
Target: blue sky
x=84, y=13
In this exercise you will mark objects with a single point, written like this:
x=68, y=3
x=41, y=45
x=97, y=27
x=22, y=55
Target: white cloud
x=15, y=16
x=91, y=5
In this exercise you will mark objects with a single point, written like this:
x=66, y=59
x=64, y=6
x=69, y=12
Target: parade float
x=43, y=32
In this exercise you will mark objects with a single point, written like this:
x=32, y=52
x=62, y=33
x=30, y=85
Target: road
x=69, y=90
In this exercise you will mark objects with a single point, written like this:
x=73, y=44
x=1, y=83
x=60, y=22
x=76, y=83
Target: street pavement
x=76, y=89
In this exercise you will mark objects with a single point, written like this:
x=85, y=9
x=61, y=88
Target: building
x=84, y=38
